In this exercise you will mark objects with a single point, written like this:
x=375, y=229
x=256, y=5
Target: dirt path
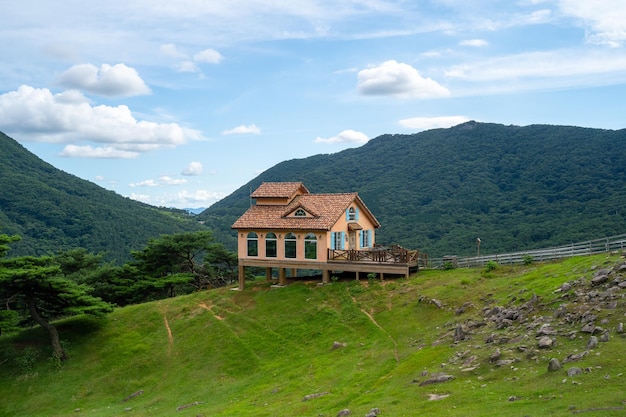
x=209, y=308
x=373, y=320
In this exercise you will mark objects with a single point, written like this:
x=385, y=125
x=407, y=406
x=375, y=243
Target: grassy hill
x=53, y=210
x=514, y=187
x=272, y=351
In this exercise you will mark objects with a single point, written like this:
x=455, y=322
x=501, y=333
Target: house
x=289, y=228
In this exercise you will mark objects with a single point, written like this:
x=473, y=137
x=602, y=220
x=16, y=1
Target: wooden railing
x=590, y=247
x=394, y=254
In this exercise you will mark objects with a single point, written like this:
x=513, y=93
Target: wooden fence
x=591, y=247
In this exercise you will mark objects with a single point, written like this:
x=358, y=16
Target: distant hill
x=53, y=210
x=514, y=187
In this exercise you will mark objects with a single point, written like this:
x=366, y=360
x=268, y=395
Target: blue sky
x=179, y=103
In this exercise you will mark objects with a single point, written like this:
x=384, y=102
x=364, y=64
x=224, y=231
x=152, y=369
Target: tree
x=36, y=286
x=184, y=258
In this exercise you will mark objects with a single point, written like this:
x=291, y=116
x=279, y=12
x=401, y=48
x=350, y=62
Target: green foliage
x=260, y=351
x=515, y=187
x=491, y=266
x=53, y=211
x=528, y=259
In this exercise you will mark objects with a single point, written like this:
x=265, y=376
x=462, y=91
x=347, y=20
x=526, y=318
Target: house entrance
x=352, y=240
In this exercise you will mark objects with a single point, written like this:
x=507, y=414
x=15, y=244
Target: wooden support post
x=281, y=277
x=268, y=273
x=325, y=276
x=294, y=272
x=242, y=276
x=357, y=275
x=382, y=276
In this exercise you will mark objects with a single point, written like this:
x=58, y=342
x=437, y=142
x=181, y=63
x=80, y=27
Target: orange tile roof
x=327, y=209
x=278, y=190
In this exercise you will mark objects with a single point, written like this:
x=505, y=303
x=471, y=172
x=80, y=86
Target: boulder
x=554, y=365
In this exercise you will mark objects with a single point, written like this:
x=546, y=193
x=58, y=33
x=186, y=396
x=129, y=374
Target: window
x=270, y=245
x=290, y=245
x=300, y=213
x=366, y=238
x=336, y=240
x=351, y=214
x=253, y=244
x=310, y=246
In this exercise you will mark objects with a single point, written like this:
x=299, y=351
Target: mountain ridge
x=515, y=187
x=53, y=210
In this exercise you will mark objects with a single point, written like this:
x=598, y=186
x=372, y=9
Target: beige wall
x=322, y=245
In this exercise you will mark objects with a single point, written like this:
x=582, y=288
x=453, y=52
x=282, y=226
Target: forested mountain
x=514, y=187
x=52, y=210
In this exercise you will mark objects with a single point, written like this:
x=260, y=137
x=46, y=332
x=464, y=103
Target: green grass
x=260, y=351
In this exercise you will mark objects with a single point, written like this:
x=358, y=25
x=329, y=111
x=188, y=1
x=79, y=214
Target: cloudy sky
x=179, y=103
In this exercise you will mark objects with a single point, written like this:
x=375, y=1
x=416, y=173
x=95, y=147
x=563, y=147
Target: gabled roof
x=327, y=209
x=279, y=190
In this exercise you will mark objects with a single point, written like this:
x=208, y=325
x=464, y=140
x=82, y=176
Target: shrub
x=528, y=259
x=490, y=266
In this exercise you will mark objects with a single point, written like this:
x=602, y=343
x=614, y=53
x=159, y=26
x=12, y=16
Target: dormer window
x=300, y=213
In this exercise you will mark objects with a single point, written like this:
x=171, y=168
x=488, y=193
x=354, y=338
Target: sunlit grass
x=260, y=351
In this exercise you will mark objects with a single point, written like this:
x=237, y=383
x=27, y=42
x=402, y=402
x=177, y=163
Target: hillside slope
x=466, y=342
x=514, y=187
x=52, y=210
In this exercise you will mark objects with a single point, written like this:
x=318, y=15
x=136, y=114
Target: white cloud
x=347, y=136
x=105, y=152
x=474, y=42
x=182, y=199
x=425, y=123
x=186, y=66
x=171, y=50
x=163, y=180
x=396, y=79
x=605, y=19
x=35, y=114
x=194, y=168
x=108, y=80
x=210, y=56
x=576, y=67
x=243, y=130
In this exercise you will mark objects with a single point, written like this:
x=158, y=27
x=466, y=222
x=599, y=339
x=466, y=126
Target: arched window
x=270, y=245
x=310, y=246
x=253, y=244
x=290, y=245
x=300, y=213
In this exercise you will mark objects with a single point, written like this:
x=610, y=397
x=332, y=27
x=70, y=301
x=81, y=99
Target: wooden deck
x=379, y=260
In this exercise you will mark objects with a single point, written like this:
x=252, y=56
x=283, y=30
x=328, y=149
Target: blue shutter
x=332, y=240
x=343, y=240
x=356, y=213
x=361, y=238
x=347, y=214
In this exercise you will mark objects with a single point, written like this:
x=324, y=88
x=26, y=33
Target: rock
x=554, y=365
x=339, y=345
x=545, y=342
x=436, y=379
x=588, y=328
x=344, y=412
x=575, y=356
x=495, y=356
x=592, y=343
x=604, y=337
x=505, y=362
x=316, y=395
x=546, y=330
x=459, y=334
x=574, y=371
x=566, y=286
x=600, y=277
x=619, y=328
x=437, y=303
x=373, y=412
